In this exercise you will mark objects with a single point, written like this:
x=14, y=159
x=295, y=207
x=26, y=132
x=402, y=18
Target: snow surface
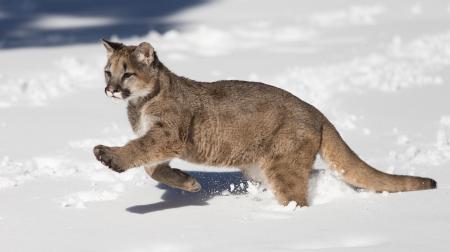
x=377, y=69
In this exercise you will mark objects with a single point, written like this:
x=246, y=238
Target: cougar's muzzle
x=116, y=92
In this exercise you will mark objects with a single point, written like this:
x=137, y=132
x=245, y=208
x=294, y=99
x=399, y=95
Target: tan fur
x=229, y=123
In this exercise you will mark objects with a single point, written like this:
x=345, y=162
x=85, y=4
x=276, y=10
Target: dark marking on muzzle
x=125, y=93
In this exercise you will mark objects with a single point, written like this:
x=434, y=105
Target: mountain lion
x=227, y=123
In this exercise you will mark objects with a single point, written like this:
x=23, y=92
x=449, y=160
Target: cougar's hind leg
x=288, y=174
x=173, y=177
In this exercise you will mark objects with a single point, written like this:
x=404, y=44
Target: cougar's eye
x=127, y=75
x=108, y=74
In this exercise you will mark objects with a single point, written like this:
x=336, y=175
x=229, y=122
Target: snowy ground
x=377, y=69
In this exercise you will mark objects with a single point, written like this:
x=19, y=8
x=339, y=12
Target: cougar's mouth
x=118, y=94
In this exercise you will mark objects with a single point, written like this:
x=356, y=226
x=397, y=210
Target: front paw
x=108, y=157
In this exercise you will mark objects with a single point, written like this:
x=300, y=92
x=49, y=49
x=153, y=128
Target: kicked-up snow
x=378, y=70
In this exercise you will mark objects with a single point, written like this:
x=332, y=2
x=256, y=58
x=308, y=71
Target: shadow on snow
x=213, y=184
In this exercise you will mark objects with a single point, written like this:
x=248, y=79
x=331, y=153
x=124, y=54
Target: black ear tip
x=112, y=45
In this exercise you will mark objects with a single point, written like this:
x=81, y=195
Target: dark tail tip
x=433, y=184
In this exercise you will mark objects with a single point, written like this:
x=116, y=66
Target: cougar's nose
x=110, y=90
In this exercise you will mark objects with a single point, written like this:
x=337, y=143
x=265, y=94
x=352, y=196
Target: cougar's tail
x=358, y=173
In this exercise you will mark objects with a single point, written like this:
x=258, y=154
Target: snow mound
x=324, y=187
x=207, y=41
x=435, y=154
x=352, y=15
x=13, y=173
x=403, y=65
x=70, y=74
x=79, y=199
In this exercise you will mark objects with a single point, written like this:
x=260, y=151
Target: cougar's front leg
x=173, y=177
x=156, y=146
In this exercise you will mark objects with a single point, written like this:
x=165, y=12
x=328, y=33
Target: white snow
x=353, y=15
x=378, y=70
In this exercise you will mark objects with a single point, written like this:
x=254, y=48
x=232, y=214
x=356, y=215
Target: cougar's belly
x=220, y=154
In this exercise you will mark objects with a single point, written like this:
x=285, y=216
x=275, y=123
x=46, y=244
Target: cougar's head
x=131, y=71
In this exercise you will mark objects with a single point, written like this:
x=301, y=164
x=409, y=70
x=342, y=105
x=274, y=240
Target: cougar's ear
x=144, y=53
x=111, y=46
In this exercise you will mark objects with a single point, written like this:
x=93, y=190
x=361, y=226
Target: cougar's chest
x=141, y=121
